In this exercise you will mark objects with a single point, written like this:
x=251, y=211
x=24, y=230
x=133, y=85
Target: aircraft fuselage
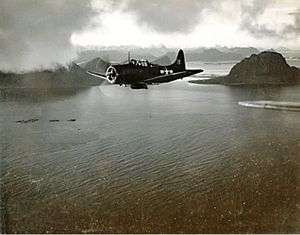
x=131, y=73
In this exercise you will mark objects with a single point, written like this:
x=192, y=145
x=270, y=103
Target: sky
x=194, y=23
x=42, y=33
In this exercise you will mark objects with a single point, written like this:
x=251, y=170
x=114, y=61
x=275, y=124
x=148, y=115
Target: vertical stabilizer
x=179, y=63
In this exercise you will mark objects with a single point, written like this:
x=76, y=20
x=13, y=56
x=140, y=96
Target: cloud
x=169, y=16
x=295, y=28
x=252, y=13
x=36, y=33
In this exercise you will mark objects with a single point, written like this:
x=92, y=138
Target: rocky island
x=265, y=68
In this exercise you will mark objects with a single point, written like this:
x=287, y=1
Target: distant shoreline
x=220, y=81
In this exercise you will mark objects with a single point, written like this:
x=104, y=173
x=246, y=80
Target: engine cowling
x=111, y=74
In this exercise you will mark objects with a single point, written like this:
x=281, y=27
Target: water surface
x=174, y=158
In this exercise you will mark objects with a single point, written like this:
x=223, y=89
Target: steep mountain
x=113, y=55
x=244, y=51
x=96, y=64
x=212, y=55
x=163, y=60
x=265, y=68
x=120, y=54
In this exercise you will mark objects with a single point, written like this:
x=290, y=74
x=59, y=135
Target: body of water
x=177, y=157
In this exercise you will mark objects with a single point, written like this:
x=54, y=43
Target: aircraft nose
x=111, y=74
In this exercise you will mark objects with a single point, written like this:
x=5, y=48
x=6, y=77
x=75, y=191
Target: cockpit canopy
x=142, y=63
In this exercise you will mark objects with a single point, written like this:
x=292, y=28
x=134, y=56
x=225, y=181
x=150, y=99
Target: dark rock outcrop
x=264, y=68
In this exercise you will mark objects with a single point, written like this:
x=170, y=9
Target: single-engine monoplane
x=140, y=73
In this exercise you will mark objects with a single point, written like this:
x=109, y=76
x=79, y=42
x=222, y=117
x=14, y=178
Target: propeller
x=96, y=65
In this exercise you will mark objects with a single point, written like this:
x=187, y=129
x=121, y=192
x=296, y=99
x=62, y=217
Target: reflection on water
x=173, y=158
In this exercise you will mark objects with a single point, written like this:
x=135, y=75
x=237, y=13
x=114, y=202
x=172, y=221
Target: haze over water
x=174, y=158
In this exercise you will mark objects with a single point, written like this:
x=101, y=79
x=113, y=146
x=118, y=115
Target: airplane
x=138, y=74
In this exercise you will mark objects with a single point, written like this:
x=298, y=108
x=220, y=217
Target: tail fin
x=180, y=61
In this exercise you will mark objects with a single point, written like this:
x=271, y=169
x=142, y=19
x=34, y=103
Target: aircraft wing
x=98, y=75
x=172, y=76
